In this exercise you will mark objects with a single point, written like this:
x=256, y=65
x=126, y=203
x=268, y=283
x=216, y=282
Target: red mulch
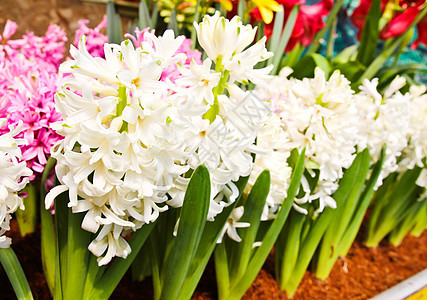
x=364, y=273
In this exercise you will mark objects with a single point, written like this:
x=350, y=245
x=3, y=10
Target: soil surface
x=364, y=273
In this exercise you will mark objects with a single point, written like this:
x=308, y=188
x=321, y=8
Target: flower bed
x=198, y=144
x=364, y=273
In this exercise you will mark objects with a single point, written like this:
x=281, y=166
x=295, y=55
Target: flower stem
x=121, y=106
x=218, y=90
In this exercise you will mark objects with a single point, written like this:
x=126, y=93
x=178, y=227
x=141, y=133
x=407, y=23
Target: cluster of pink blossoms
x=95, y=39
x=28, y=80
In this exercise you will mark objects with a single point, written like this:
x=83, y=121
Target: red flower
x=309, y=20
x=402, y=15
x=422, y=33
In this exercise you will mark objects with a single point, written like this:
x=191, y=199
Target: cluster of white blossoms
x=131, y=138
x=384, y=120
x=13, y=178
x=317, y=114
x=416, y=151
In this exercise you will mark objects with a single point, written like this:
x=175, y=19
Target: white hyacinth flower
x=232, y=224
x=130, y=137
x=13, y=178
x=416, y=151
x=225, y=42
x=122, y=150
x=221, y=37
x=384, y=122
x=317, y=114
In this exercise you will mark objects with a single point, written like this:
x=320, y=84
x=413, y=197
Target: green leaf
x=144, y=19
x=48, y=240
x=15, y=274
x=305, y=67
x=77, y=257
x=222, y=271
x=366, y=199
x=287, y=247
x=388, y=50
x=191, y=225
x=348, y=217
x=319, y=226
x=242, y=252
x=286, y=35
x=421, y=220
x=61, y=229
x=141, y=267
x=345, y=55
x=207, y=244
x=114, y=25
x=388, y=74
x=389, y=210
x=416, y=210
x=173, y=23
x=370, y=32
x=262, y=252
x=107, y=281
x=315, y=44
x=193, y=29
x=274, y=40
x=352, y=70
x=292, y=58
x=27, y=219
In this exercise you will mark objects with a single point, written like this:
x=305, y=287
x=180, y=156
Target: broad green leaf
x=292, y=58
x=61, y=229
x=274, y=40
x=191, y=225
x=366, y=199
x=421, y=221
x=318, y=228
x=287, y=247
x=305, y=67
x=352, y=70
x=416, y=210
x=388, y=210
x=222, y=271
x=262, y=252
x=48, y=239
x=345, y=55
x=254, y=205
x=207, y=244
x=343, y=215
x=77, y=256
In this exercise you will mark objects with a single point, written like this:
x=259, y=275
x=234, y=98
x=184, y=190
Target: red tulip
x=402, y=15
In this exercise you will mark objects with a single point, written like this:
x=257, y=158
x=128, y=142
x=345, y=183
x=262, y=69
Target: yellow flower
x=227, y=4
x=266, y=8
